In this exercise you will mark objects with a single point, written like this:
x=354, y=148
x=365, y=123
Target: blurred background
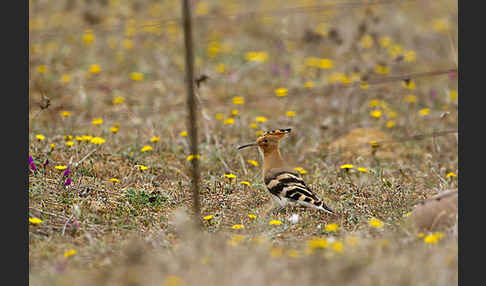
x=107, y=99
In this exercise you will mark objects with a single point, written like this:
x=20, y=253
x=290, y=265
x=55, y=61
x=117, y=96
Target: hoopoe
x=286, y=186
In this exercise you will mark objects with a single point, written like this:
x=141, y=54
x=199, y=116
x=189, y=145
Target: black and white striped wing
x=291, y=186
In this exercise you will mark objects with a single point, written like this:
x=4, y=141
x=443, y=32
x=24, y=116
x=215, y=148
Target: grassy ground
x=125, y=217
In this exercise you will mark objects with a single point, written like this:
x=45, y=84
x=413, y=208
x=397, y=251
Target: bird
x=286, y=186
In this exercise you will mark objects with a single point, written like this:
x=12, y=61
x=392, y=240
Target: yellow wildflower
x=172, y=280
x=97, y=121
x=238, y=226
x=146, y=148
x=61, y=167
x=410, y=56
x=143, y=167
x=88, y=37
x=253, y=125
x=281, y=92
x=337, y=246
x=325, y=63
x=192, y=157
x=275, y=222
x=220, y=68
x=317, y=243
x=331, y=227
x=252, y=216
x=395, y=50
x=53, y=146
x=69, y=143
x=229, y=121
x=390, y=124
x=424, y=111
x=276, y=252
x=451, y=175
x=97, y=140
x=375, y=113
x=136, y=76
x=94, y=68
x=69, y=253
x=245, y=183
x=208, y=217
x=440, y=24
x=234, y=112
x=253, y=162
x=364, y=170
x=293, y=253
x=309, y=84
x=65, y=113
x=391, y=113
x=364, y=85
x=366, y=41
x=155, y=139
x=453, y=94
x=183, y=133
x=230, y=176
x=238, y=100
x=430, y=239
x=411, y=98
x=373, y=103
x=300, y=170
x=347, y=166
x=127, y=44
x=410, y=84
x=385, y=41
x=261, y=119
x=114, y=129
x=374, y=222
x=381, y=69
x=65, y=78
x=40, y=137
x=290, y=113
x=257, y=56
x=42, y=68
x=118, y=100
x=114, y=180
x=34, y=220
x=336, y=76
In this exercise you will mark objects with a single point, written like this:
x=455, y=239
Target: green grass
x=139, y=231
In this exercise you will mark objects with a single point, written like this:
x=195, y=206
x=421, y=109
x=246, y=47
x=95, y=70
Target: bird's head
x=268, y=142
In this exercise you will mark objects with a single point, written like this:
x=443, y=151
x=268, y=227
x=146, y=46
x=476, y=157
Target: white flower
x=294, y=218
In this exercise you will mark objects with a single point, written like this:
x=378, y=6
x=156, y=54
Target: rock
x=435, y=213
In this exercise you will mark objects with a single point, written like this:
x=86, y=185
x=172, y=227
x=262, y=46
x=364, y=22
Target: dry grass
x=136, y=231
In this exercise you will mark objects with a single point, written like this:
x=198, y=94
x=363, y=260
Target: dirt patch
x=358, y=143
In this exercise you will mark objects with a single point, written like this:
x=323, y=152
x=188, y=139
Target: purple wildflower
x=66, y=173
x=275, y=69
x=46, y=163
x=68, y=182
x=31, y=164
x=433, y=93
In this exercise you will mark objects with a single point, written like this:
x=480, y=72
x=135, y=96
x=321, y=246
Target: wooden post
x=191, y=105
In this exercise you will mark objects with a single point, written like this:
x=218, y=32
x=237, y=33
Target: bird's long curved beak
x=247, y=145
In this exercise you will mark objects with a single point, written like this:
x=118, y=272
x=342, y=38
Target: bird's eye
x=265, y=141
